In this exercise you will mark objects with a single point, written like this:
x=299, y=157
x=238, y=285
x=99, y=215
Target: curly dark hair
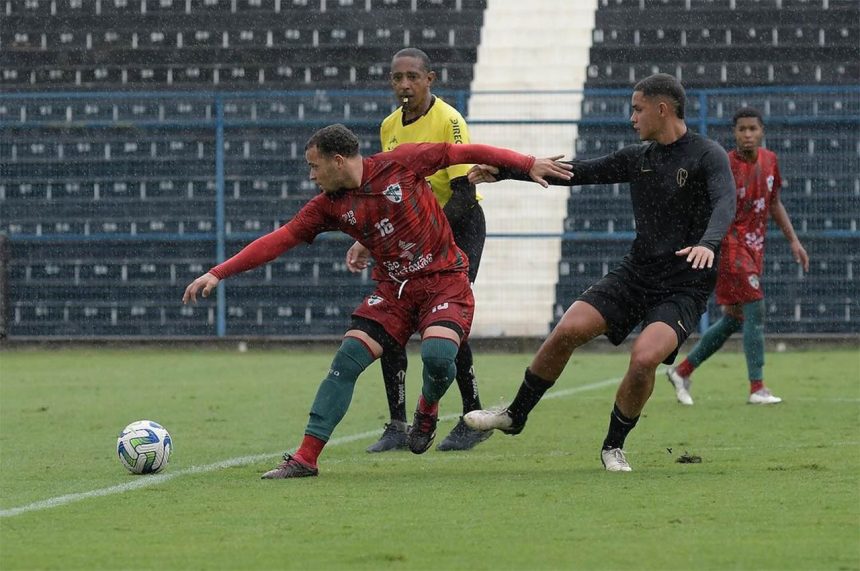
x=747, y=112
x=334, y=140
x=663, y=84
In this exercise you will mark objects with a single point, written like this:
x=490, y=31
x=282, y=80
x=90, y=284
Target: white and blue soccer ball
x=144, y=447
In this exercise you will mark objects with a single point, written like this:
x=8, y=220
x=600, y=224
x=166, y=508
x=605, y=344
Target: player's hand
x=700, y=257
x=550, y=167
x=207, y=282
x=482, y=173
x=800, y=256
x=357, y=258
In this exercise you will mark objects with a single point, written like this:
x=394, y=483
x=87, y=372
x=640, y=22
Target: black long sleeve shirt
x=683, y=195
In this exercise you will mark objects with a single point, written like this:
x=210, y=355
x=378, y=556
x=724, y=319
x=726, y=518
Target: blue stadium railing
x=23, y=115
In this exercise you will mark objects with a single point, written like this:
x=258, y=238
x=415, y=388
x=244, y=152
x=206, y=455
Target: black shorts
x=625, y=301
x=470, y=232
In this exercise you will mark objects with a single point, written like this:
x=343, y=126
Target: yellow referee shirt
x=441, y=124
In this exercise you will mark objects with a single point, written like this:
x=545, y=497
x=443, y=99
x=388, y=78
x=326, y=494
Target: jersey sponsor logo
x=753, y=280
x=374, y=300
x=770, y=183
x=348, y=217
x=456, y=132
x=397, y=270
x=394, y=193
x=405, y=247
x=681, y=177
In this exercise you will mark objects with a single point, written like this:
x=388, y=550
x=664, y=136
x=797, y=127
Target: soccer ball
x=144, y=447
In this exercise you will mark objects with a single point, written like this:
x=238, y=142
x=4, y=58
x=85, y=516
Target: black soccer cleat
x=423, y=432
x=462, y=437
x=393, y=438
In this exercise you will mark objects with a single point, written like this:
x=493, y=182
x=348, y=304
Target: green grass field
x=778, y=487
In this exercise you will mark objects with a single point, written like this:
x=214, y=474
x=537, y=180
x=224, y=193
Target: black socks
x=530, y=393
x=619, y=427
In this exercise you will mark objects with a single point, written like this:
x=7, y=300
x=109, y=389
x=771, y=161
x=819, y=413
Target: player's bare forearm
x=798, y=252
x=780, y=216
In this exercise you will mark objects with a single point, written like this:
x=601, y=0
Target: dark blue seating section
x=726, y=43
x=59, y=290
x=229, y=45
x=108, y=190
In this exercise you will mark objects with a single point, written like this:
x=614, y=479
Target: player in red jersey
x=384, y=202
x=738, y=291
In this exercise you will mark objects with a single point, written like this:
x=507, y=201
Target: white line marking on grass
x=146, y=481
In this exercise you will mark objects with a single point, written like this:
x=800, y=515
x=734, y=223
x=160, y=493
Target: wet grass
x=777, y=487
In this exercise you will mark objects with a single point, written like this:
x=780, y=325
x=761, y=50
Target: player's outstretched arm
x=260, y=251
x=550, y=168
x=544, y=171
x=202, y=285
x=700, y=257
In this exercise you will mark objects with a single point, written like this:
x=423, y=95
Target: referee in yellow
x=425, y=118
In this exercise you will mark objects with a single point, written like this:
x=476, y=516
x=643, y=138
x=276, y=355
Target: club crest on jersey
x=681, y=177
x=374, y=299
x=753, y=280
x=393, y=193
x=770, y=183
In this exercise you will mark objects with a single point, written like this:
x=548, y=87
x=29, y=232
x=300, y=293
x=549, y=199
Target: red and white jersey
x=757, y=185
x=394, y=213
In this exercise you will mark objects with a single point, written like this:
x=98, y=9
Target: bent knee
x=438, y=366
x=645, y=359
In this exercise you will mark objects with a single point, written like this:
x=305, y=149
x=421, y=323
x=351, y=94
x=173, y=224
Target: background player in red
x=384, y=202
x=739, y=291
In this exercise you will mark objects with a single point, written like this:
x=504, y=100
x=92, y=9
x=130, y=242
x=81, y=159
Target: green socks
x=754, y=339
x=335, y=392
x=713, y=339
x=438, y=355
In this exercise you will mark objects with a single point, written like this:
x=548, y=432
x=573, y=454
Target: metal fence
x=113, y=200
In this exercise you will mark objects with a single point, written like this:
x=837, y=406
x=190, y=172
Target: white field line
x=147, y=481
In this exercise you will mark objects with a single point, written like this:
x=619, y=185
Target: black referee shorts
x=470, y=233
x=625, y=300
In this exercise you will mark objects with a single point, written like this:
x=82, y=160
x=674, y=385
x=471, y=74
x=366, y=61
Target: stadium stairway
x=516, y=284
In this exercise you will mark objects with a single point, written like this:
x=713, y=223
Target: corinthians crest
x=393, y=193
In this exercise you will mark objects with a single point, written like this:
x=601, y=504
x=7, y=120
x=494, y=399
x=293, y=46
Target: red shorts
x=734, y=288
x=422, y=302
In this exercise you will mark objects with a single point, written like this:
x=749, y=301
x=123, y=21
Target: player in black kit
x=683, y=198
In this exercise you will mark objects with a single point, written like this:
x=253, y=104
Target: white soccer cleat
x=681, y=386
x=614, y=460
x=498, y=419
x=763, y=396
